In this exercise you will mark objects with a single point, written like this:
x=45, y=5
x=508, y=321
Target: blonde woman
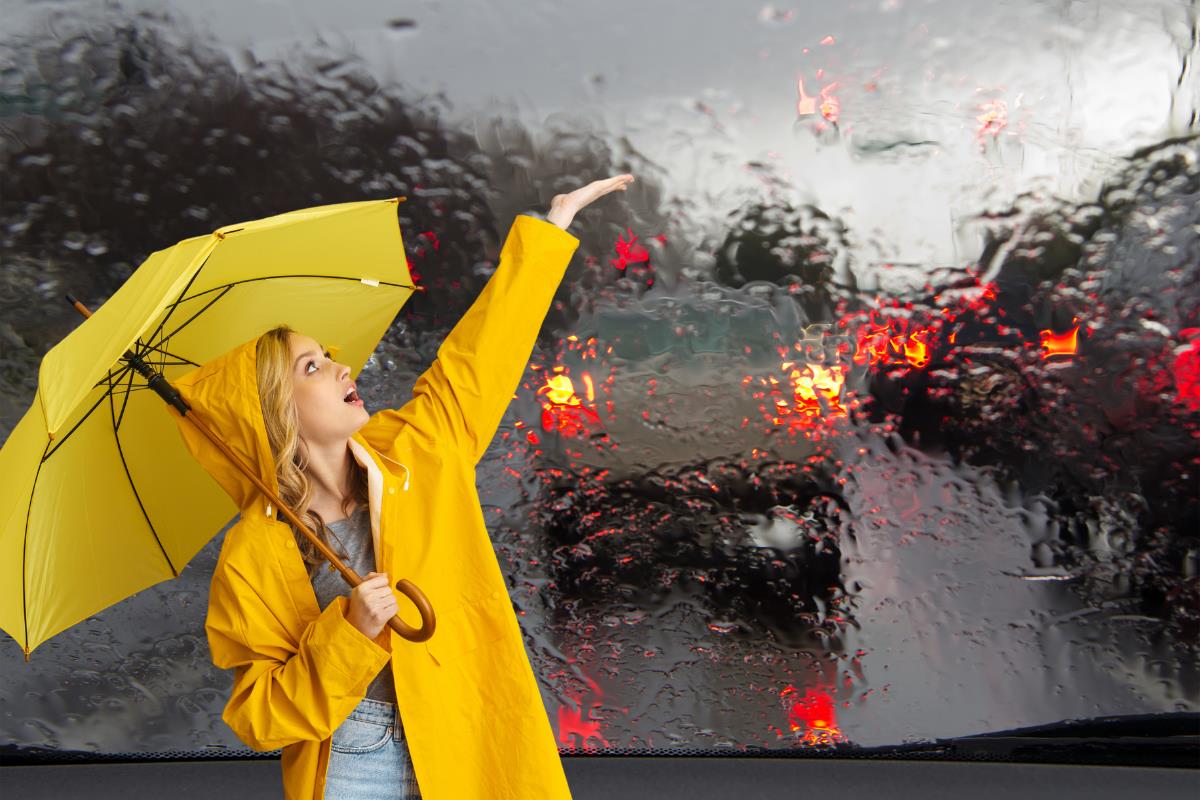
x=357, y=710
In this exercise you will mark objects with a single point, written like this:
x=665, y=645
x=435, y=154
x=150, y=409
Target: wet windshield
x=869, y=415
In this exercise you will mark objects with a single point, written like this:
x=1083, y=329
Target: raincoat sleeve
x=286, y=691
x=459, y=401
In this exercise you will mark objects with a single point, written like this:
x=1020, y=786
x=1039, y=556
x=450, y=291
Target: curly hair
x=273, y=354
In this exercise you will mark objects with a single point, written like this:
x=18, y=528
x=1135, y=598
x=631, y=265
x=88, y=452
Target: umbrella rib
x=184, y=363
x=25, y=547
x=225, y=288
x=188, y=321
x=106, y=381
x=109, y=376
x=297, y=275
x=157, y=364
x=121, y=452
x=182, y=360
x=178, y=300
x=124, y=402
x=160, y=359
x=82, y=419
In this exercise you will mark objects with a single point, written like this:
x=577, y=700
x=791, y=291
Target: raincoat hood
x=224, y=393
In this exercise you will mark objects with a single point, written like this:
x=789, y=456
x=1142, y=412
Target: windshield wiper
x=1152, y=740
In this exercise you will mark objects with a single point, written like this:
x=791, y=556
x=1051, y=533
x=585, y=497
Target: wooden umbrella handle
x=405, y=586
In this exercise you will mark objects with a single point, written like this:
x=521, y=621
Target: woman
x=357, y=710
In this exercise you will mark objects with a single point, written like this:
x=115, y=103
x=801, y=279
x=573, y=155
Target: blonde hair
x=273, y=354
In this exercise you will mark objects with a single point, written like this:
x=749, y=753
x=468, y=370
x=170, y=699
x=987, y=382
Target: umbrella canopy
x=100, y=497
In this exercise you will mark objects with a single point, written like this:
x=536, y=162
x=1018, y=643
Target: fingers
x=614, y=183
x=385, y=608
x=379, y=591
x=374, y=586
x=619, y=183
x=599, y=188
x=609, y=184
x=563, y=207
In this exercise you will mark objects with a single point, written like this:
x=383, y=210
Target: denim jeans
x=369, y=757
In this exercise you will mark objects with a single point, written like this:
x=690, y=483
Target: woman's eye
x=313, y=363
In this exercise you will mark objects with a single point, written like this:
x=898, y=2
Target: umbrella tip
x=71, y=299
x=26, y=649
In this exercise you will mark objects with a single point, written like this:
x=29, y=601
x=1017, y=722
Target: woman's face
x=326, y=398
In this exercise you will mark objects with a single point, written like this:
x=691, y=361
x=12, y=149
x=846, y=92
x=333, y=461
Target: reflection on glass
x=881, y=429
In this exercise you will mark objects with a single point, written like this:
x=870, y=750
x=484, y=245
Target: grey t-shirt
x=354, y=533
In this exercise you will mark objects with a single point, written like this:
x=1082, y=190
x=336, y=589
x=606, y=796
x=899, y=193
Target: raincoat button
x=290, y=544
x=391, y=490
x=495, y=594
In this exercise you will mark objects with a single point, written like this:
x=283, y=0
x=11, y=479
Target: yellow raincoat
x=472, y=713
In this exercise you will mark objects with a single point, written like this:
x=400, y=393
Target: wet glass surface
x=870, y=413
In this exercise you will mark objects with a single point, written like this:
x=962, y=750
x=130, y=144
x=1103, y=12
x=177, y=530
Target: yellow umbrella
x=100, y=496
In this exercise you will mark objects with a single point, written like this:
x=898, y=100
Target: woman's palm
x=564, y=207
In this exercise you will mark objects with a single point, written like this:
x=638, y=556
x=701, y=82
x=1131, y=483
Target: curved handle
x=428, y=620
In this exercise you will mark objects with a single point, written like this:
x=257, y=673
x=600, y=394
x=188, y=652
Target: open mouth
x=352, y=398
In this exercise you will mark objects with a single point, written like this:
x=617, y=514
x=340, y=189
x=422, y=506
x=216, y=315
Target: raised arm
x=459, y=401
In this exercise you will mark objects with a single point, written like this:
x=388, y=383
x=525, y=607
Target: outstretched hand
x=563, y=207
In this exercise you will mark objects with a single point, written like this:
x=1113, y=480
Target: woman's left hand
x=563, y=207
